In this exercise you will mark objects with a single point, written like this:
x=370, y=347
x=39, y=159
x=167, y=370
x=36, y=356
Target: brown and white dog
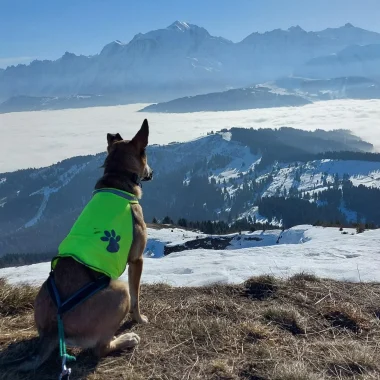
x=94, y=323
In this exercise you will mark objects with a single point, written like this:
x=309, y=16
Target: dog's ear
x=141, y=138
x=111, y=138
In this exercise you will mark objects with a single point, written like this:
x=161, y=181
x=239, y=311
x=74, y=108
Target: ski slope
x=325, y=252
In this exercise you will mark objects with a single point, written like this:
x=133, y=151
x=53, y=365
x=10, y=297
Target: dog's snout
x=148, y=176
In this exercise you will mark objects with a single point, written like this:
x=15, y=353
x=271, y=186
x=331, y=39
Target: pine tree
x=167, y=220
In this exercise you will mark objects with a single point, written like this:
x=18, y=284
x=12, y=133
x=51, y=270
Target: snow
x=361, y=173
x=325, y=252
x=227, y=136
x=159, y=238
x=74, y=132
x=180, y=25
x=64, y=179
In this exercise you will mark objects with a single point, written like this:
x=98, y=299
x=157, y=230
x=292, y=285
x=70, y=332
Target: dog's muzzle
x=148, y=177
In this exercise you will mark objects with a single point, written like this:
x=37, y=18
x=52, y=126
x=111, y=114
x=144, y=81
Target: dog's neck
x=123, y=181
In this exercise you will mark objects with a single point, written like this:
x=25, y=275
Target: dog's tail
x=45, y=348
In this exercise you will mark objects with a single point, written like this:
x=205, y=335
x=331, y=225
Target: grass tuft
x=261, y=287
x=286, y=318
x=304, y=277
x=14, y=301
x=346, y=317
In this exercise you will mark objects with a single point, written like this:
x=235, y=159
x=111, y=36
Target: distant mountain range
x=359, y=60
x=184, y=60
x=285, y=92
x=283, y=176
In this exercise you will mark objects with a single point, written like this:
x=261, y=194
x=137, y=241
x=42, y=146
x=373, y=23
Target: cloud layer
x=36, y=139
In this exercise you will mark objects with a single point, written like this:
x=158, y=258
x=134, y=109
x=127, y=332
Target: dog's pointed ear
x=141, y=138
x=111, y=138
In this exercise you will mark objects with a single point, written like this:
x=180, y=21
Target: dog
x=93, y=323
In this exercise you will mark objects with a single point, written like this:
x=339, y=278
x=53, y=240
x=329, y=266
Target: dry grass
x=264, y=329
x=286, y=318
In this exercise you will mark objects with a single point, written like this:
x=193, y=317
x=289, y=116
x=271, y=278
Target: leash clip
x=66, y=372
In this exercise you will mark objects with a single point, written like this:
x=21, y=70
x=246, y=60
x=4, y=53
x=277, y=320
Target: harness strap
x=77, y=298
x=130, y=197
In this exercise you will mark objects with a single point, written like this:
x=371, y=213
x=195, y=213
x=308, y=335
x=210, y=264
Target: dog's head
x=129, y=156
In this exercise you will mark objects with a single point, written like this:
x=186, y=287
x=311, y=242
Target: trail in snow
x=64, y=179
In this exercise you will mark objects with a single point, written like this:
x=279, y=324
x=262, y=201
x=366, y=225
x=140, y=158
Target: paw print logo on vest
x=113, y=241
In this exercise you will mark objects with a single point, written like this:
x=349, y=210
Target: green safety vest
x=102, y=236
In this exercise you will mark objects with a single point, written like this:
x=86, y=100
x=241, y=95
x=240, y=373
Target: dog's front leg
x=134, y=275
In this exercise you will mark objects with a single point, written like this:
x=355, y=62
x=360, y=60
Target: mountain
x=180, y=60
x=283, y=176
x=181, y=57
x=354, y=60
x=349, y=34
x=231, y=100
x=326, y=89
x=34, y=103
x=284, y=92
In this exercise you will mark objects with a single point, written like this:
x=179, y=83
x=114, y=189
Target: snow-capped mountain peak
x=185, y=27
x=179, y=25
x=112, y=47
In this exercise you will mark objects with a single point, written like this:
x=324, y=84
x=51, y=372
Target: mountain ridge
x=180, y=60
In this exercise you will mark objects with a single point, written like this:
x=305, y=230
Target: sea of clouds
x=41, y=138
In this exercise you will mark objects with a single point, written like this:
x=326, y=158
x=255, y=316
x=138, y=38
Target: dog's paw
x=135, y=338
x=124, y=341
x=140, y=319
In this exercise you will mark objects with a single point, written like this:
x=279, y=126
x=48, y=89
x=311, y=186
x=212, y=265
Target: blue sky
x=38, y=29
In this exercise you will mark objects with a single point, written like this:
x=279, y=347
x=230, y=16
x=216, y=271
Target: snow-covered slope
x=325, y=252
x=223, y=176
x=314, y=174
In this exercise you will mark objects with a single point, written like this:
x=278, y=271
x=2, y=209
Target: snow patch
x=226, y=136
x=326, y=252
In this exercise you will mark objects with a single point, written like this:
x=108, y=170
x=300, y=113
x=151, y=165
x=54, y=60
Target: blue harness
x=63, y=307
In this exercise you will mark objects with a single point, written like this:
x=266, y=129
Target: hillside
x=231, y=100
x=226, y=176
x=268, y=329
x=22, y=103
x=284, y=92
x=180, y=60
